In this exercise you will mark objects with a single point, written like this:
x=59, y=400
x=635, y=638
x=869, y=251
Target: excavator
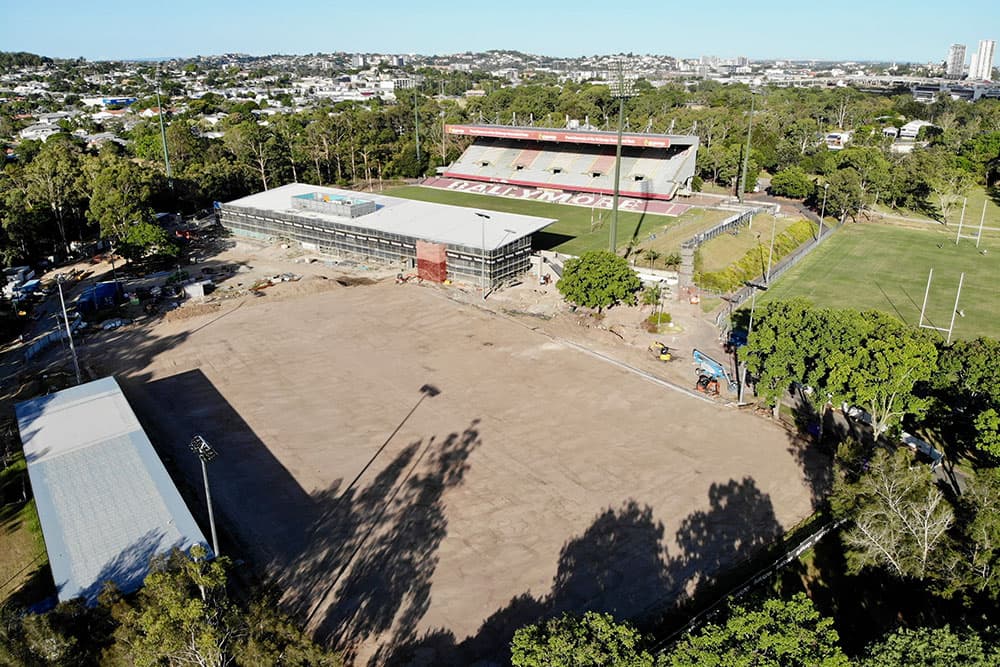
x=660, y=351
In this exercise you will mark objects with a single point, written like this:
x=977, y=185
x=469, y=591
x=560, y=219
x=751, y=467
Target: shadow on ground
x=619, y=565
x=356, y=560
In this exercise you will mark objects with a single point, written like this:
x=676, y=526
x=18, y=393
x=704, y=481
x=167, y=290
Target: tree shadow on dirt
x=813, y=442
x=354, y=560
x=619, y=565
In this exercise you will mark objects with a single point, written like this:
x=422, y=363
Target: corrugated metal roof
x=105, y=501
x=441, y=223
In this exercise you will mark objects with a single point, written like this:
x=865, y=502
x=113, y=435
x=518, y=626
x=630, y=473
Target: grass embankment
x=885, y=268
x=23, y=560
x=572, y=233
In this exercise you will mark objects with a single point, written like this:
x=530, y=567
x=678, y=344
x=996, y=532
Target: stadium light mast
x=206, y=454
x=622, y=87
x=163, y=131
x=416, y=121
x=69, y=331
x=746, y=152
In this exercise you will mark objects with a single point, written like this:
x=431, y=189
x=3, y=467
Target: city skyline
x=784, y=31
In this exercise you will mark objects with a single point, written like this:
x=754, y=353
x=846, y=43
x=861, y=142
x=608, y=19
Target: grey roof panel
x=104, y=499
x=441, y=223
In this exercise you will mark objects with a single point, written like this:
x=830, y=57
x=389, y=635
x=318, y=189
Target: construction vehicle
x=707, y=385
x=660, y=351
x=707, y=366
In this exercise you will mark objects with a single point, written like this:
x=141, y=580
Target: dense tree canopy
x=588, y=641
x=598, y=279
x=778, y=633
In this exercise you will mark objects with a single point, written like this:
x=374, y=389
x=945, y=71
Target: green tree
x=121, y=196
x=900, y=517
x=979, y=534
x=145, y=238
x=780, y=346
x=652, y=255
x=792, y=182
x=182, y=614
x=254, y=147
x=53, y=181
x=570, y=641
x=778, y=633
x=271, y=638
x=948, y=182
x=598, y=279
x=880, y=373
x=931, y=647
x=967, y=383
x=846, y=195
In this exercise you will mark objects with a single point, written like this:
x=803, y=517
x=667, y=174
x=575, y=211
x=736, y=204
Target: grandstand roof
x=104, y=499
x=440, y=223
x=562, y=135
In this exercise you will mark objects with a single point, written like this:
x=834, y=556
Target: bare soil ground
x=421, y=476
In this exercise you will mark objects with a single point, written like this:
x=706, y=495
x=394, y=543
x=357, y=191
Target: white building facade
x=955, y=66
x=981, y=67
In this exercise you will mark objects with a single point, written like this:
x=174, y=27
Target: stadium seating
x=645, y=172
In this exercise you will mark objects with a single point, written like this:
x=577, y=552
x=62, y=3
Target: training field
x=572, y=234
x=885, y=267
x=424, y=476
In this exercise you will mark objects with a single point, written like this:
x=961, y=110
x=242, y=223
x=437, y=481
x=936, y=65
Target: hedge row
x=748, y=267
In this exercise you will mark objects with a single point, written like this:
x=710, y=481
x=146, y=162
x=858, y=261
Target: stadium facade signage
x=559, y=136
x=554, y=197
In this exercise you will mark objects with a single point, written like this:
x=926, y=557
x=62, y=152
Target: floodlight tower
x=163, y=132
x=622, y=87
x=206, y=454
x=746, y=152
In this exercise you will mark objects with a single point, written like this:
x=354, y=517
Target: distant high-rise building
x=358, y=60
x=982, y=62
x=954, y=67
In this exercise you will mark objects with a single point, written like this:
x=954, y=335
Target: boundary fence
x=738, y=298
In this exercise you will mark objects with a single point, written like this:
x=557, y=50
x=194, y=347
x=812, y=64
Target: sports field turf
x=885, y=268
x=571, y=234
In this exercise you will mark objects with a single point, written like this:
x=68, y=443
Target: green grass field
x=976, y=198
x=571, y=233
x=885, y=267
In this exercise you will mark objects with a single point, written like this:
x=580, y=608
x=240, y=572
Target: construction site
x=421, y=472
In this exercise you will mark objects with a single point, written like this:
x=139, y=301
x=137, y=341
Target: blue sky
x=915, y=31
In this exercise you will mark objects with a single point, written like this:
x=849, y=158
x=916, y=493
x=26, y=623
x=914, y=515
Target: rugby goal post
x=954, y=311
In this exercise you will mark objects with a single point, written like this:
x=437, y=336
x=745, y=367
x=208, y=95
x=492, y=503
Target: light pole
x=482, y=231
x=822, y=213
x=746, y=153
x=770, y=253
x=416, y=121
x=163, y=132
x=206, y=454
x=621, y=88
x=69, y=332
x=753, y=304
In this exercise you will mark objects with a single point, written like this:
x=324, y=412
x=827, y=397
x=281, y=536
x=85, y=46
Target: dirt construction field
x=421, y=477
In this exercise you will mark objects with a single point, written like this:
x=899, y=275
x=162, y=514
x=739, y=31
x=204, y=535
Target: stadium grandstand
x=654, y=166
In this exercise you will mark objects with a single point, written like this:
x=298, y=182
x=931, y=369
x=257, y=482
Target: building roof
x=104, y=499
x=579, y=136
x=440, y=223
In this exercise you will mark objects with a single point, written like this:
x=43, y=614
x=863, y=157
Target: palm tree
x=652, y=256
